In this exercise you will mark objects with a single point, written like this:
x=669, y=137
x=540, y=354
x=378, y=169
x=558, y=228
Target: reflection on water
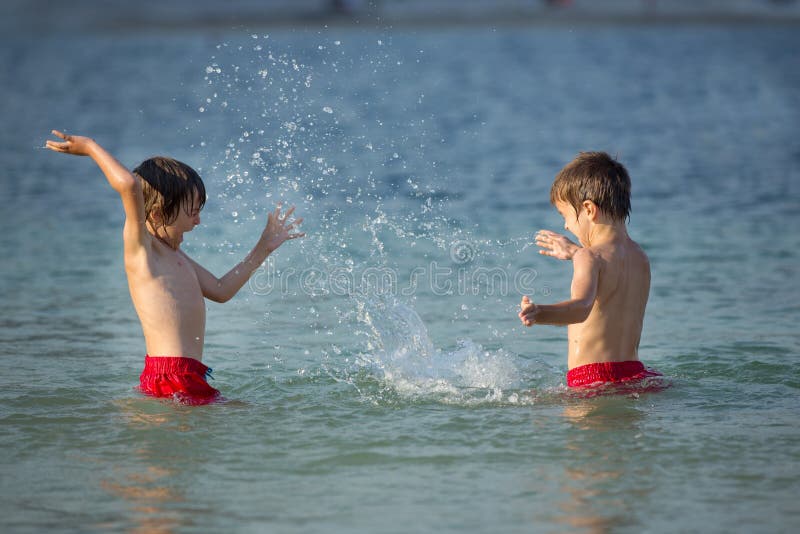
x=151, y=493
x=147, y=494
x=601, y=488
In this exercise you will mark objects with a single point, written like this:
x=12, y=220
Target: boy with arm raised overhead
x=162, y=199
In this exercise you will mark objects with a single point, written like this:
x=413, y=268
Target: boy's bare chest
x=175, y=273
x=167, y=275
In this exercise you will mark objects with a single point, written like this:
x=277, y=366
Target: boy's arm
x=135, y=233
x=576, y=309
x=274, y=235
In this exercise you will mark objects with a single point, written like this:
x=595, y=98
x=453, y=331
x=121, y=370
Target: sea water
x=376, y=376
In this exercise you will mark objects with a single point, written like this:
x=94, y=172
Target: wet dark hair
x=598, y=177
x=169, y=185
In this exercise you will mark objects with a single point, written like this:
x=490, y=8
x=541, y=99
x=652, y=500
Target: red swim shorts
x=181, y=378
x=606, y=372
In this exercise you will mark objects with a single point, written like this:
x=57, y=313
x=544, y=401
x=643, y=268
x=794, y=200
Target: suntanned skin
x=167, y=287
x=610, y=286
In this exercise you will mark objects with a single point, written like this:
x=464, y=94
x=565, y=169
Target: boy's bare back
x=613, y=328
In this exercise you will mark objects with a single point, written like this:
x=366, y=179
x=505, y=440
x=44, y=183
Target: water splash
x=372, y=198
x=400, y=353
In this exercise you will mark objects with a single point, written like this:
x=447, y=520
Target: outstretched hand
x=555, y=245
x=528, y=311
x=73, y=144
x=278, y=229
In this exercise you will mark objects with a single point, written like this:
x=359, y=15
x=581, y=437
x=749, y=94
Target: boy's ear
x=591, y=209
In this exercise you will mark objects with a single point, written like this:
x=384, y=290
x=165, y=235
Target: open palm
x=279, y=229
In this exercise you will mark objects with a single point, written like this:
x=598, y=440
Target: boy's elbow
x=128, y=185
x=582, y=311
x=220, y=298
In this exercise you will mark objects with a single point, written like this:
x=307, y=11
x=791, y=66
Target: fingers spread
x=58, y=147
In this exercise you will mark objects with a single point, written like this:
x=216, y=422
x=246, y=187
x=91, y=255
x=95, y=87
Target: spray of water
x=400, y=352
x=367, y=190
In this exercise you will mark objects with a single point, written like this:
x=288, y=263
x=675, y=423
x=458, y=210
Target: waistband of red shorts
x=175, y=364
x=604, y=372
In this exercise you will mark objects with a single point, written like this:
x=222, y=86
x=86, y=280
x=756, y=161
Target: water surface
x=377, y=377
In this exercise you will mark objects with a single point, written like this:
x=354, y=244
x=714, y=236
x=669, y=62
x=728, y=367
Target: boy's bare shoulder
x=588, y=259
x=610, y=257
x=614, y=248
x=632, y=255
x=586, y=254
x=635, y=248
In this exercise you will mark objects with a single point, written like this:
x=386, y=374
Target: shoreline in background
x=312, y=20
x=25, y=17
